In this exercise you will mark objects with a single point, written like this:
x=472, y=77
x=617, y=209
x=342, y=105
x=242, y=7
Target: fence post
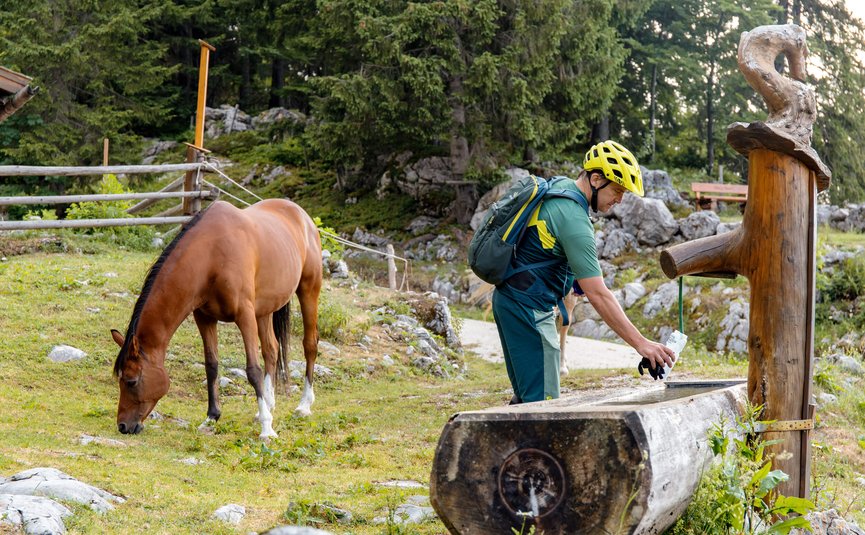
x=190, y=183
x=391, y=268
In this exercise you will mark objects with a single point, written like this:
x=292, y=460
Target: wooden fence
x=147, y=199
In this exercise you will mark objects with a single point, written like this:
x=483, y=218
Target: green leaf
x=771, y=481
x=783, y=527
x=785, y=505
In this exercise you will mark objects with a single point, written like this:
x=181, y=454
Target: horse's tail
x=281, y=328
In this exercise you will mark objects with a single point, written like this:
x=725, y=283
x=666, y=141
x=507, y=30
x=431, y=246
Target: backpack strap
x=567, y=194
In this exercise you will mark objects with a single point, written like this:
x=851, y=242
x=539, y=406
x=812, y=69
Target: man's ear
x=118, y=338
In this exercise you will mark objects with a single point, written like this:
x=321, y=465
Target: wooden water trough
x=621, y=464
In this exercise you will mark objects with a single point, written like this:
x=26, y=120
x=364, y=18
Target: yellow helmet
x=617, y=163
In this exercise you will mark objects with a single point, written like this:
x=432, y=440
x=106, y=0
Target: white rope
x=226, y=177
x=238, y=199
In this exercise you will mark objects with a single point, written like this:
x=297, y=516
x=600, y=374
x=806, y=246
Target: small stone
x=231, y=513
x=64, y=353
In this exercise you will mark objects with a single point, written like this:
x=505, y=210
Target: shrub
x=737, y=495
x=135, y=237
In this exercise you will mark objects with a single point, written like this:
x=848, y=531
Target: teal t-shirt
x=560, y=228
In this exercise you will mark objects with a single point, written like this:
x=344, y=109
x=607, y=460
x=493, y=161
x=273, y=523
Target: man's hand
x=657, y=355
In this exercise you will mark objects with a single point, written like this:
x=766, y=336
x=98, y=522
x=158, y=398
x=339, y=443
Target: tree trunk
x=277, y=83
x=245, y=92
x=565, y=467
x=710, y=120
x=653, y=109
x=601, y=130
x=459, y=145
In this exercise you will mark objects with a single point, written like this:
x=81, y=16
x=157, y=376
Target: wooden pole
x=775, y=246
x=105, y=152
x=192, y=206
x=391, y=268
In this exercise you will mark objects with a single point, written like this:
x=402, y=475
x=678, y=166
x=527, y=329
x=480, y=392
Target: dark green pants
x=530, y=343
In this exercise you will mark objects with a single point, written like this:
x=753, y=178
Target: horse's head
x=142, y=384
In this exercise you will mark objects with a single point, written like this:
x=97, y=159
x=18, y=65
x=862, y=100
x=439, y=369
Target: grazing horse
x=227, y=265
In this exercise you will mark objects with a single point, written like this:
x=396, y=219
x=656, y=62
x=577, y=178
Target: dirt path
x=580, y=353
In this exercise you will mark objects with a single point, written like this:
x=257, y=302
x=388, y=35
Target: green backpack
x=494, y=244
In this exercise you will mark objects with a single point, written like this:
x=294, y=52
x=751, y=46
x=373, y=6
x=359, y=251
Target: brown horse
x=227, y=265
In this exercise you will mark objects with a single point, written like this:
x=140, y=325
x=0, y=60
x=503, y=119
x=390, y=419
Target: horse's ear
x=117, y=337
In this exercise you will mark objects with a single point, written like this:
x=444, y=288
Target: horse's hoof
x=564, y=371
x=268, y=435
x=303, y=412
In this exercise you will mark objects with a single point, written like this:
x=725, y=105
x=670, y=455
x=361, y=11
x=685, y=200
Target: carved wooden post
x=775, y=246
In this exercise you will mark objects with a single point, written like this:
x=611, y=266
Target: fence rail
x=63, y=199
x=92, y=223
x=40, y=170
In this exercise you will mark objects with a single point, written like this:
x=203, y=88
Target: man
x=560, y=228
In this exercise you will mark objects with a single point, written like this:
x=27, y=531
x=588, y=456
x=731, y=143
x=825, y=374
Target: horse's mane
x=145, y=291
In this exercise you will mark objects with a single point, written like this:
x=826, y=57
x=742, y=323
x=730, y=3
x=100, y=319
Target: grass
x=370, y=423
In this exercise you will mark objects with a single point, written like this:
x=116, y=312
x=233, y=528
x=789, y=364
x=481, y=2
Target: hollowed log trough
x=623, y=464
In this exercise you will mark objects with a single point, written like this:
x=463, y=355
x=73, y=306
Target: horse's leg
x=207, y=328
x=248, y=325
x=307, y=295
x=270, y=351
x=570, y=302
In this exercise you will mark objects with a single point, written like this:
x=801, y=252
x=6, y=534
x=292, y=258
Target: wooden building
x=15, y=91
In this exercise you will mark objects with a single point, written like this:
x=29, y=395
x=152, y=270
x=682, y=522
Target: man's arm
x=605, y=303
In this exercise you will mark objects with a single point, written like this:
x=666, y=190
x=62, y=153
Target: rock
x=401, y=484
x=659, y=185
x=64, y=353
x=662, y=299
x=32, y=514
x=231, y=513
x=191, y=461
x=441, y=323
x=339, y=270
x=52, y=483
x=331, y=513
x=649, y=220
x=275, y=115
x=847, y=363
x=295, y=530
x=156, y=148
x=615, y=242
x=408, y=513
x=327, y=348
x=514, y=174
x=237, y=372
x=318, y=370
x=421, y=224
x=699, y=225
x=367, y=238
x=597, y=330
x=825, y=398
x=632, y=292
x=828, y=523
x=727, y=227
x=89, y=439
x=734, y=329
x=387, y=361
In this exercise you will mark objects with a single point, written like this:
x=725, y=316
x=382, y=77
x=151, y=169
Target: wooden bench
x=714, y=191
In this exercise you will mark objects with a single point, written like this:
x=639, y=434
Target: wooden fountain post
x=775, y=246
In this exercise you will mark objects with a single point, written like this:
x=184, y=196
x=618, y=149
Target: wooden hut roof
x=15, y=90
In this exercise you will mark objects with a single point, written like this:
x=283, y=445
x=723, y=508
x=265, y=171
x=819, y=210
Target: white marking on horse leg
x=269, y=392
x=207, y=424
x=306, y=400
x=266, y=420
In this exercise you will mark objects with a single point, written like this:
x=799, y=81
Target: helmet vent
x=618, y=173
x=627, y=161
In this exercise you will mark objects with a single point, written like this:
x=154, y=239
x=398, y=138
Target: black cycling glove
x=657, y=372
